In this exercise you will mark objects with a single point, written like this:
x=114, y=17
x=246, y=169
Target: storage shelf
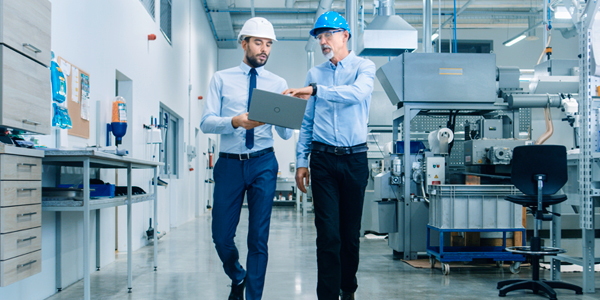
x=72, y=204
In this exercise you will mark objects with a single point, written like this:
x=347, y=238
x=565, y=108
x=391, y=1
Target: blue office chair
x=539, y=171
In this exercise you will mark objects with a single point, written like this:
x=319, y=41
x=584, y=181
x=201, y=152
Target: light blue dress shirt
x=339, y=113
x=228, y=97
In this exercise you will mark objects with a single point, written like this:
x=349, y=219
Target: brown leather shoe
x=347, y=296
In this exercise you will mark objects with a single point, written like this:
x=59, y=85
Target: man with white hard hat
x=334, y=134
x=246, y=163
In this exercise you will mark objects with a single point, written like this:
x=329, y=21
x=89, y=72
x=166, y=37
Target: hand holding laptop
x=277, y=109
x=243, y=121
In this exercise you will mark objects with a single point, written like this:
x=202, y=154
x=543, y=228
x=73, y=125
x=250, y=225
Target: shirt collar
x=246, y=69
x=347, y=61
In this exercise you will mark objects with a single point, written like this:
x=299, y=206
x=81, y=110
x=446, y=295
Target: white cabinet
x=25, y=93
x=25, y=86
x=25, y=27
x=20, y=213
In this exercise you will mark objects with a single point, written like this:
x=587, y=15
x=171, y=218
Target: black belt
x=316, y=146
x=246, y=156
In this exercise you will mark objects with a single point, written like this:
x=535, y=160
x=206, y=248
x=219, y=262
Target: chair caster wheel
x=515, y=267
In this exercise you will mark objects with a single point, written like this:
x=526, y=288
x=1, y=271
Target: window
x=165, y=19
x=468, y=46
x=149, y=5
x=169, y=149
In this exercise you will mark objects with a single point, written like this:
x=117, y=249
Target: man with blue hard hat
x=246, y=163
x=334, y=134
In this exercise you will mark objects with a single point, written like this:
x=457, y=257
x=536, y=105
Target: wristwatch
x=314, y=86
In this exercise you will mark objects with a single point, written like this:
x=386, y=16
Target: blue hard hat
x=330, y=19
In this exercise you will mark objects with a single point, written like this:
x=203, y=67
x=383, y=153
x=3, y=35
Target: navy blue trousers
x=338, y=186
x=257, y=177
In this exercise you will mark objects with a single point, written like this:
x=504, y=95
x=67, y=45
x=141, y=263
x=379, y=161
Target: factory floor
x=189, y=268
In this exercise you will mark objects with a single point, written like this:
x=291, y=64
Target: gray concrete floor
x=189, y=268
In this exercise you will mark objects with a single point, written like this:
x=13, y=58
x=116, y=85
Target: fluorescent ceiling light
x=514, y=40
x=434, y=36
x=561, y=12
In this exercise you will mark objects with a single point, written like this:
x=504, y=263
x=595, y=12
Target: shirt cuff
x=320, y=91
x=302, y=163
x=229, y=124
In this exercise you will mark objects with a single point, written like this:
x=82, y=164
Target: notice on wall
x=75, y=85
x=65, y=67
x=85, y=97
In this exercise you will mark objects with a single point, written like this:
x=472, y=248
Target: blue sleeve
x=306, y=131
x=354, y=93
x=212, y=122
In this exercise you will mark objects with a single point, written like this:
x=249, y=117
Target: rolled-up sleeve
x=212, y=121
x=355, y=93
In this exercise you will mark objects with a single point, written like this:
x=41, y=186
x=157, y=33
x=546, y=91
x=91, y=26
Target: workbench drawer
x=19, y=268
x=16, y=167
x=20, y=242
x=20, y=193
x=25, y=26
x=17, y=218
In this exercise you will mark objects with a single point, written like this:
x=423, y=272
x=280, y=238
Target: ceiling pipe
x=386, y=8
x=417, y=4
x=238, y=20
x=351, y=17
x=403, y=12
x=457, y=14
x=305, y=21
x=324, y=5
x=427, y=17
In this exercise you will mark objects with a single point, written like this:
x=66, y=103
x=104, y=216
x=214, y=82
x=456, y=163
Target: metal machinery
x=470, y=114
x=469, y=87
x=431, y=91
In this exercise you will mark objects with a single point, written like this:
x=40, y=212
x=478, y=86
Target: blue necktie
x=252, y=86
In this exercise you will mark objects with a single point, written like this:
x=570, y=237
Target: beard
x=253, y=60
x=329, y=55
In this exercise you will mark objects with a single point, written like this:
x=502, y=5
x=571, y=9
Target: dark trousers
x=338, y=187
x=257, y=177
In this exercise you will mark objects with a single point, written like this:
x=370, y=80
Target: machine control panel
x=435, y=168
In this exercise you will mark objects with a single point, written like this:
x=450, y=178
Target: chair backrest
x=549, y=160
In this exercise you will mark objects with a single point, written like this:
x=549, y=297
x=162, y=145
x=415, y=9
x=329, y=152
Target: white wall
x=289, y=60
x=101, y=37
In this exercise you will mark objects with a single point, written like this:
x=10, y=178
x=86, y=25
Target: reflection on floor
x=190, y=269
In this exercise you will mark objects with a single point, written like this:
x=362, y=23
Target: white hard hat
x=257, y=27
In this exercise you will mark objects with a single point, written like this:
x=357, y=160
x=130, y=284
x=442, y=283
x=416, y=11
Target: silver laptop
x=276, y=109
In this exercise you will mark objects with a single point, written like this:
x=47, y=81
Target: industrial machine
x=465, y=127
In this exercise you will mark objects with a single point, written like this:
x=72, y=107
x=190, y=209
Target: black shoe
x=237, y=291
x=347, y=296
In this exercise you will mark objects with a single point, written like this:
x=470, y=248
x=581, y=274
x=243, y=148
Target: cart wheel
x=432, y=261
x=515, y=267
x=445, y=269
x=499, y=263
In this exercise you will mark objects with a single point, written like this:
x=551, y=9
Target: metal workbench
x=88, y=159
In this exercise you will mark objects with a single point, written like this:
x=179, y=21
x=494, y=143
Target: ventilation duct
x=388, y=34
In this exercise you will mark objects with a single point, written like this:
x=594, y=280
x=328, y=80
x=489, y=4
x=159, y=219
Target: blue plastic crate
x=96, y=190
x=415, y=147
